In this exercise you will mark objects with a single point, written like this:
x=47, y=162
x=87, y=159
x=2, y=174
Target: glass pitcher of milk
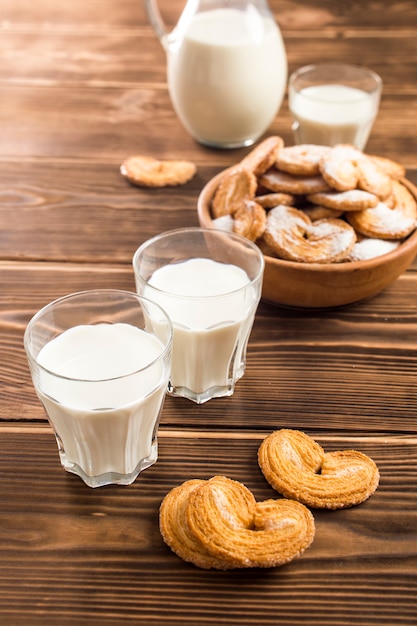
x=226, y=69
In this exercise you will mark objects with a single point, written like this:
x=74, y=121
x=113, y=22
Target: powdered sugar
x=293, y=236
x=224, y=223
x=371, y=248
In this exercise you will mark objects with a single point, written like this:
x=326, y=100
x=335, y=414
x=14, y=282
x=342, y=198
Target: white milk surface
x=228, y=77
x=211, y=306
x=106, y=423
x=331, y=114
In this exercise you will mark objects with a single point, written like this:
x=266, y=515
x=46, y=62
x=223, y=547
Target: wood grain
x=83, y=86
x=113, y=565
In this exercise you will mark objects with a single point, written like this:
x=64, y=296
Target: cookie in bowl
x=336, y=225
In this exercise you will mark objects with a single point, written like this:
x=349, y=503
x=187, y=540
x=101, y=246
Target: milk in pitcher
x=227, y=78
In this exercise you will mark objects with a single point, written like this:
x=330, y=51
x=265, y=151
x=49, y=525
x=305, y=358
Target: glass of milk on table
x=226, y=69
x=333, y=103
x=100, y=363
x=209, y=282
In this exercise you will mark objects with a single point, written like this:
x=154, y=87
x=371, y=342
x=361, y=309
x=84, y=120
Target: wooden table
x=83, y=86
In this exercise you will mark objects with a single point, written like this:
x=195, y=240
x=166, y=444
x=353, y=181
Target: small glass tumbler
x=100, y=363
x=333, y=104
x=209, y=282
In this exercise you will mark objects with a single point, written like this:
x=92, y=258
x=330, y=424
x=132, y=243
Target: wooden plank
x=70, y=554
x=134, y=57
x=84, y=86
x=305, y=369
x=95, y=15
x=291, y=14
x=104, y=123
x=83, y=211
x=82, y=56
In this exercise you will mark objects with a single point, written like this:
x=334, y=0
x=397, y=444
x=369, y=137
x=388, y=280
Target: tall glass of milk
x=333, y=103
x=209, y=282
x=100, y=363
x=226, y=69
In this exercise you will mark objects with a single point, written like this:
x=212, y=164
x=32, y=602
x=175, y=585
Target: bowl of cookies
x=336, y=225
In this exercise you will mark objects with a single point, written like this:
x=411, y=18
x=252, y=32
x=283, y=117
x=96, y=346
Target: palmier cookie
x=234, y=189
x=175, y=530
x=352, y=200
x=390, y=167
x=276, y=180
x=301, y=160
x=218, y=524
x=291, y=234
x=344, y=168
x=316, y=212
x=297, y=467
x=263, y=156
x=271, y=200
x=249, y=220
x=146, y=171
x=384, y=222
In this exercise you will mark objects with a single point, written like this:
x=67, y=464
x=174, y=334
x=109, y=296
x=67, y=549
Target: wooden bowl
x=313, y=285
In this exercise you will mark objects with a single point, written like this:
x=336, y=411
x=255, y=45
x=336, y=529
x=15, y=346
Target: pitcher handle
x=157, y=22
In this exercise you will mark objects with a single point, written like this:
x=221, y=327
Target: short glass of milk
x=333, y=103
x=100, y=363
x=209, y=282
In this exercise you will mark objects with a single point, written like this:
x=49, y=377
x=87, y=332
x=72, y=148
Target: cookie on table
x=217, y=524
x=297, y=467
x=146, y=171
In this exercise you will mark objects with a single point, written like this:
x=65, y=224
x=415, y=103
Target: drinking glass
x=100, y=363
x=333, y=103
x=209, y=282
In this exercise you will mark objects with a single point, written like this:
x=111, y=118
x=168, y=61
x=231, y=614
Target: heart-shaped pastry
x=218, y=524
x=385, y=221
x=249, y=220
x=235, y=189
x=263, y=156
x=291, y=234
x=302, y=159
x=297, y=467
x=146, y=171
x=344, y=167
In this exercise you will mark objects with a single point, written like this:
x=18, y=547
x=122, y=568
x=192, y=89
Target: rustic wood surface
x=82, y=86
